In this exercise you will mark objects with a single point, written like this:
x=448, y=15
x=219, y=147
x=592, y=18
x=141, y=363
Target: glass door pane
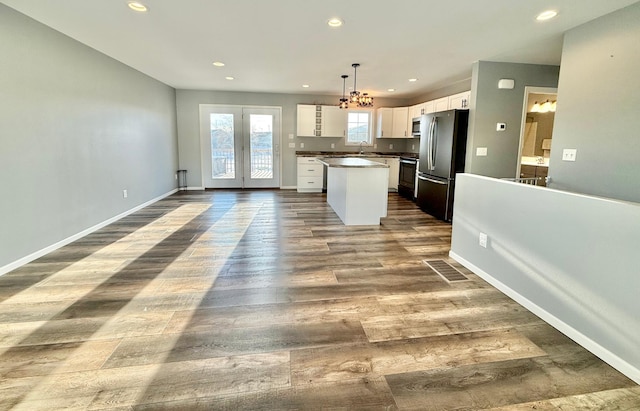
x=261, y=146
x=222, y=146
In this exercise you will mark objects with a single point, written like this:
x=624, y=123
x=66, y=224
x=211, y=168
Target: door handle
x=443, y=183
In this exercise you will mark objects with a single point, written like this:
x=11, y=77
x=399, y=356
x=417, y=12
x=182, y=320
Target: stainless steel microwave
x=415, y=127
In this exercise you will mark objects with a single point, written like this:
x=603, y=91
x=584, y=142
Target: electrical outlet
x=292, y=145
x=375, y=146
x=290, y=136
x=124, y=194
x=501, y=126
x=301, y=145
x=482, y=240
x=390, y=146
x=481, y=151
x=413, y=146
x=333, y=145
x=569, y=154
x=176, y=176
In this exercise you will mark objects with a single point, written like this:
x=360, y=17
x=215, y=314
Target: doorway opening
x=240, y=146
x=536, y=134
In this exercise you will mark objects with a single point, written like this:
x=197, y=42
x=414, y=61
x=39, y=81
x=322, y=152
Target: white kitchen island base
x=357, y=190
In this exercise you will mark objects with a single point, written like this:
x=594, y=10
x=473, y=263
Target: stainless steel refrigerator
x=443, y=143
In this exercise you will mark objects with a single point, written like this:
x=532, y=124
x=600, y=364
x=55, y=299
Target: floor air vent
x=446, y=270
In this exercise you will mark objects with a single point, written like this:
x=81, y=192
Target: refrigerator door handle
x=444, y=183
x=433, y=143
x=429, y=146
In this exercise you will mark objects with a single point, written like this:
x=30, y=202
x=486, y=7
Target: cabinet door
x=429, y=107
x=460, y=100
x=441, y=104
x=394, y=172
x=306, y=119
x=399, y=125
x=385, y=122
x=334, y=121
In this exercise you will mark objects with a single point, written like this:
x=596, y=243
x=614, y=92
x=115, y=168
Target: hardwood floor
x=264, y=300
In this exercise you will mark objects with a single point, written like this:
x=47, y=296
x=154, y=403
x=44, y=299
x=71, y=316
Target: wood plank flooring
x=264, y=300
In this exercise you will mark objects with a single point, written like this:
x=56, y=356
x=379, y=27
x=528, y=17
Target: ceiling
x=276, y=46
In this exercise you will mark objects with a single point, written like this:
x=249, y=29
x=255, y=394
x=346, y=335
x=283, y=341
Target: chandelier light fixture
x=360, y=100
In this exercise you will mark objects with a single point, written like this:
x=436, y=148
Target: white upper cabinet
x=441, y=104
x=385, y=122
x=334, y=122
x=309, y=117
x=460, y=100
x=321, y=121
x=429, y=107
x=399, y=127
x=392, y=122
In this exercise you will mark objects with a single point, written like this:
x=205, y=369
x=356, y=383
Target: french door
x=240, y=146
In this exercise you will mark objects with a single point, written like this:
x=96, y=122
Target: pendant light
x=344, y=102
x=363, y=100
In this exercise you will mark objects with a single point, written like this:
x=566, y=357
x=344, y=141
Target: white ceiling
x=278, y=45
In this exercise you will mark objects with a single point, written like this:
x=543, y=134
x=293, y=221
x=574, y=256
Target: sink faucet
x=362, y=149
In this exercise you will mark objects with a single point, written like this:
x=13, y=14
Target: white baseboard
x=27, y=259
x=195, y=188
x=288, y=187
x=586, y=342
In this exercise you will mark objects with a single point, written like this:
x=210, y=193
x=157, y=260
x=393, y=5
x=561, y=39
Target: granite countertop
x=350, y=162
x=352, y=154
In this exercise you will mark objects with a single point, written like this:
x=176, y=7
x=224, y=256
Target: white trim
x=586, y=342
x=288, y=187
x=195, y=188
x=27, y=259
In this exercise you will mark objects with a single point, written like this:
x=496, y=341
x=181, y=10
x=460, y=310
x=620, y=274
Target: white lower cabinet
x=394, y=170
x=310, y=175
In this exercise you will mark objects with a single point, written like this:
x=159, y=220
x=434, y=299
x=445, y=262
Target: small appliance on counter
x=443, y=144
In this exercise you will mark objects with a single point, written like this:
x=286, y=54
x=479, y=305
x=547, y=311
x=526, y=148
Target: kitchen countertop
x=350, y=162
x=351, y=154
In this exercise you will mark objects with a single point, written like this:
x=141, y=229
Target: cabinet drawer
x=307, y=160
x=310, y=170
x=310, y=184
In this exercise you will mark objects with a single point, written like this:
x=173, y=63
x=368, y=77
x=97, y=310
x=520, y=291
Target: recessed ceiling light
x=230, y=78
x=137, y=6
x=335, y=22
x=391, y=89
x=546, y=15
x=305, y=85
x=413, y=80
x=218, y=64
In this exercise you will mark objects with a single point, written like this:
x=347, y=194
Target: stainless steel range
x=407, y=177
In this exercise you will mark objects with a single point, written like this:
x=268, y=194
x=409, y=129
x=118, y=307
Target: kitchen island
x=357, y=189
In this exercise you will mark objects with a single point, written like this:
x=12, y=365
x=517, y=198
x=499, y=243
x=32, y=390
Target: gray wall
x=598, y=103
x=77, y=128
x=490, y=105
x=571, y=259
x=188, y=102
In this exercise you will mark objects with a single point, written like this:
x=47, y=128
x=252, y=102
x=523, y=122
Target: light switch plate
x=569, y=154
x=290, y=136
x=292, y=145
x=481, y=151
